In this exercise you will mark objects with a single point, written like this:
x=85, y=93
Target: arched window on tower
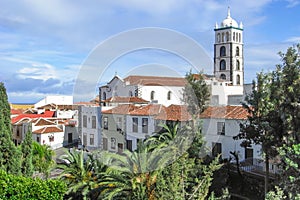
x=223, y=65
x=219, y=37
x=152, y=95
x=104, y=95
x=238, y=79
x=237, y=53
x=222, y=51
x=223, y=36
x=240, y=37
x=238, y=65
x=233, y=36
x=169, y=95
x=227, y=36
x=223, y=76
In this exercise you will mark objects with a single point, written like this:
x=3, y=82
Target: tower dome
x=228, y=22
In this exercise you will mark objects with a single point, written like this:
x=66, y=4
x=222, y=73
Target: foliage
x=80, y=175
x=274, y=119
x=26, y=147
x=18, y=187
x=196, y=93
x=42, y=158
x=9, y=155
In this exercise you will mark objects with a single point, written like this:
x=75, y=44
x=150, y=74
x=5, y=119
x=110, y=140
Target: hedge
x=18, y=187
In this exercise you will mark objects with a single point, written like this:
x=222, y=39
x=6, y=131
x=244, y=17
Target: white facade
x=223, y=142
x=138, y=128
x=58, y=100
x=90, y=127
x=162, y=94
x=54, y=139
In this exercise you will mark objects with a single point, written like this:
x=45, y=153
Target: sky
x=45, y=44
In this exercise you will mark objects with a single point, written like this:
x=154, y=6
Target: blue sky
x=43, y=44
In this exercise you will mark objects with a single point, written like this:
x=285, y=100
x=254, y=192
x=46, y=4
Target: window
x=136, y=92
x=237, y=65
x=18, y=132
x=227, y=36
x=237, y=51
x=233, y=36
x=218, y=37
x=91, y=139
x=70, y=138
x=104, y=140
x=38, y=139
x=169, y=95
x=152, y=95
x=51, y=138
x=104, y=95
x=94, y=122
x=129, y=145
x=223, y=65
x=221, y=128
x=223, y=76
x=105, y=123
x=135, y=124
x=145, y=125
x=238, y=79
x=84, y=139
x=222, y=51
x=120, y=147
x=113, y=143
x=119, y=123
x=240, y=39
x=130, y=93
x=84, y=121
x=223, y=37
x=216, y=149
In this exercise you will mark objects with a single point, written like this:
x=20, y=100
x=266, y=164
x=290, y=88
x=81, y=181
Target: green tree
x=78, y=173
x=42, y=158
x=274, y=120
x=10, y=157
x=26, y=147
x=195, y=93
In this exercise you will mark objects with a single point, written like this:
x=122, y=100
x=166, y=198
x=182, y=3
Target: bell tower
x=228, y=51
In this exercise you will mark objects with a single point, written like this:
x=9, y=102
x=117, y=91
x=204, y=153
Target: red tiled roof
x=43, y=122
x=16, y=111
x=47, y=114
x=121, y=109
x=225, y=112
x=175, y=113
x=48, y=129
x=126, y=100
x=155, y=80
x=151, y=109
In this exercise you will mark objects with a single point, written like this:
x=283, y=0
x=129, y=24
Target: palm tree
x=42, y=158
x=133, y=174
x=78, y=173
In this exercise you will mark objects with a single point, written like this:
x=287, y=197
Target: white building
x=89, y=129
x=155, y=89
x=220, y=125
x=58, y=100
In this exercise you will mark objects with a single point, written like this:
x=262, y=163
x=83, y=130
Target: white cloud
x=292, y=3
x=38, y=71
x=293, y=40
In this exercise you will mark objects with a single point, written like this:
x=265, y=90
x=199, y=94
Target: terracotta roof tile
x=151, y=109
x=126, y=100
x=123, y=109
x=48, y=129
x=225, y=112
x=43, y=122
x=47, y=114
x=155, y=81
x=175, y=113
